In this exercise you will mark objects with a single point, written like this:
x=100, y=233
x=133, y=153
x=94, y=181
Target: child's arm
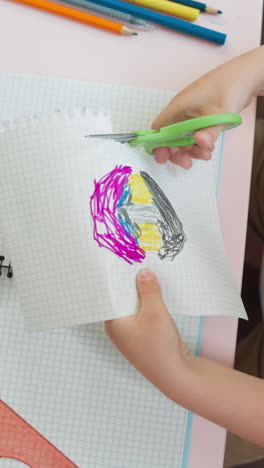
x=151, y=342
x=228, y=88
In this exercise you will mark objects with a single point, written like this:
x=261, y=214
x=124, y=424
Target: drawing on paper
x=132, y=215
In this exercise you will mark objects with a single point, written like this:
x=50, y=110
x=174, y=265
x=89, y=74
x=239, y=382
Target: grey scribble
x=169, y=225
x=161, y=213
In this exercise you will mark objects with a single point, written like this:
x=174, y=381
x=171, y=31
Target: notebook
x=71, y=384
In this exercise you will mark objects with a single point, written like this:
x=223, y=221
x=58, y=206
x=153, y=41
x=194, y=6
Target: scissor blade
x=120, y=137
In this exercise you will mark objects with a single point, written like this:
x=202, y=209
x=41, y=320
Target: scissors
x=179, y=134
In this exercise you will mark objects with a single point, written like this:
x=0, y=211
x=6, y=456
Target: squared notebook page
x=71, y=384
x=79, y=392
x=81, y=260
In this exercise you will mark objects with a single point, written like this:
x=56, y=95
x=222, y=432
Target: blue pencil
x=165, y=20
x=200, y=6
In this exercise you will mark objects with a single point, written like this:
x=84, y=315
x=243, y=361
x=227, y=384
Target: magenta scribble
x=108, y=231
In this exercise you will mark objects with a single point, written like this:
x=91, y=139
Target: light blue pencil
x=102, y=10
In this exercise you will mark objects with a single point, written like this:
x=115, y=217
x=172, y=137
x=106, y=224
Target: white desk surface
x=35, y=42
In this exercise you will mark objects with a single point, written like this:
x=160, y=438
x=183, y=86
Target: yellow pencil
x=171, y=8
x=79, y=16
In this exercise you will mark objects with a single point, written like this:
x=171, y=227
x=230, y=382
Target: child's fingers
x=181, y=159
x=162, y=155
x=207, y=137
x=205, y=143
x=182, y=156
x=198, y=153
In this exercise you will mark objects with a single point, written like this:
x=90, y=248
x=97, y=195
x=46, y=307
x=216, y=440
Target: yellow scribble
x=139, y=190
x=149, y=238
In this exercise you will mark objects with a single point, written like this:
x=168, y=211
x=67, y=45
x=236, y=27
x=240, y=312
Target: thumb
x=150, y=295
x=171, y=114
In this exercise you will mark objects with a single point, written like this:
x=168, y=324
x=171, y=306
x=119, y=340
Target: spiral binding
x=6, y=267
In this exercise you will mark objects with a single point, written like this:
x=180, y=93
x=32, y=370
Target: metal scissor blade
x=120, y=137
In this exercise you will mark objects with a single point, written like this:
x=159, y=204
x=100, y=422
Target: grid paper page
x=79, y=392
x=49, y=171
x=37, y=378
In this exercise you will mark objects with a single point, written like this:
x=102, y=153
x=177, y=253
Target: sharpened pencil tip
x=219, y=12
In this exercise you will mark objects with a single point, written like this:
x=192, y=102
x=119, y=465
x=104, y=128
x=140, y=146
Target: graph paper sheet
x=83, y=216
x=78, y=391
x=71, y=384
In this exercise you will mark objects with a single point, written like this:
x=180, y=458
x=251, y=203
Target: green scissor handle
x=181, y=134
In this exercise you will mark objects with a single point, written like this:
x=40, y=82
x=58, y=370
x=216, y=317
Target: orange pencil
x=79, y=16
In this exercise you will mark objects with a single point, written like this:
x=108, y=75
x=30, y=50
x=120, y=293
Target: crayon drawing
x=132, y=215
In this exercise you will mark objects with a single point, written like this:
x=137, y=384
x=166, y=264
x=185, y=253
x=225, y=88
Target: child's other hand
x=228, y=88
x=150, y=340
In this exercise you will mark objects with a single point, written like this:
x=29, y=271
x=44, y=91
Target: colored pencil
x=79, y=16
x=119, y=15
x=165, y=20
x=200, y=6
x=171, y=8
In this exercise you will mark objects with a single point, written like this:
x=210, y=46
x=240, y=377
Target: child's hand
x=228, y=88
x=150, y=340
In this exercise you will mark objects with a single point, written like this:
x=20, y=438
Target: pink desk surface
x=36, y=42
